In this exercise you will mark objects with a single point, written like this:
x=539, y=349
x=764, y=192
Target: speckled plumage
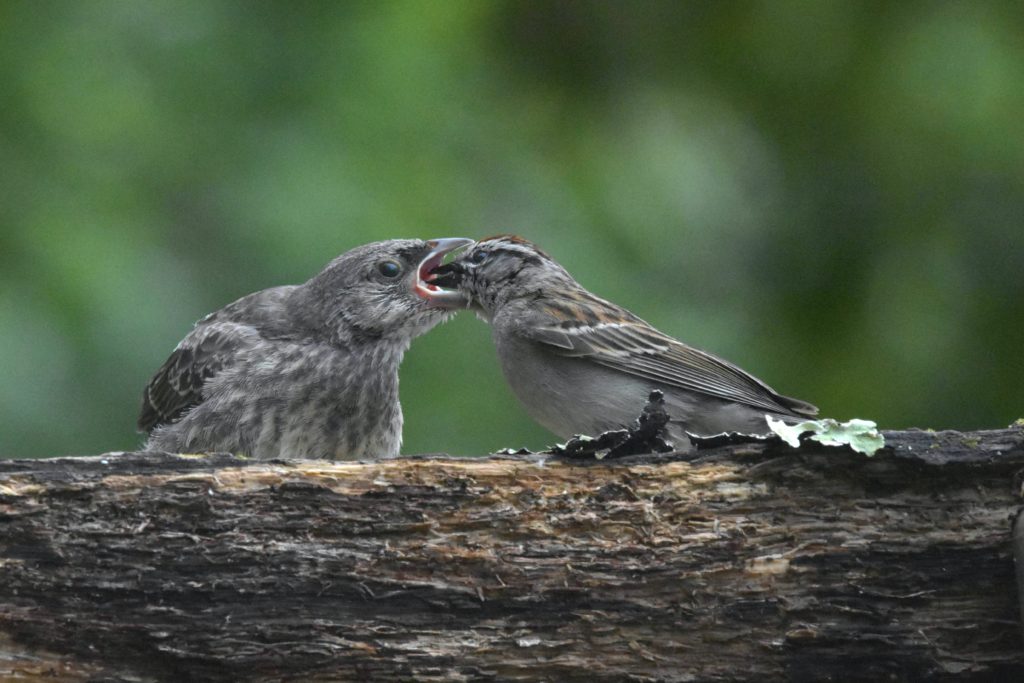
x=582, y=365
x=302, y=371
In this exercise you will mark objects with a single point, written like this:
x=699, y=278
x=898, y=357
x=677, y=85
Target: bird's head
x=380, y=291
x=497, y=270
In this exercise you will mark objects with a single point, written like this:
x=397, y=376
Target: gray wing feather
x=634, y=347
x=217, y=342
x=178, y=385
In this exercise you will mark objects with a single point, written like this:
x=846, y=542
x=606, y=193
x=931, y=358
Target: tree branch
x=744, y=562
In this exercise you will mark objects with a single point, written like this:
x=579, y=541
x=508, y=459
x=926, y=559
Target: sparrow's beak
x=424, y=288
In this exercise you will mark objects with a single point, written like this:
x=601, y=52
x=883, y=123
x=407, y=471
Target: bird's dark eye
x=389, y=268
x=477, y=257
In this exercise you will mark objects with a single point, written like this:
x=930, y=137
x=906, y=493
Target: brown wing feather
x=615, y=338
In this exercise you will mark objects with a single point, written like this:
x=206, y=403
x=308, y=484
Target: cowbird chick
x=303, y=371
x=580, y=364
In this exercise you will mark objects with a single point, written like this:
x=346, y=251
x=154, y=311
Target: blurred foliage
x=828, y=193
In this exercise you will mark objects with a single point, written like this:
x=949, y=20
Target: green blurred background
x=830, y=194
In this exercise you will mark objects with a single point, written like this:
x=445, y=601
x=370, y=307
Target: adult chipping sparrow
x=303, y=371
x=580, y=364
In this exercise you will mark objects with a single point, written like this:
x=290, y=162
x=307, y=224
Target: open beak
x=427, y=290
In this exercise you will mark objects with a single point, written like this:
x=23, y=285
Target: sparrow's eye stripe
x=518, y=243
x=523, y=251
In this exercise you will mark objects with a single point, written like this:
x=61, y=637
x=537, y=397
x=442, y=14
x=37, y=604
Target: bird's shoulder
x=573, y=322
x=217, y=342
x=267, y=312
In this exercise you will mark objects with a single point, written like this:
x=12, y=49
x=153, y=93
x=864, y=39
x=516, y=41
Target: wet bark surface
x=741, y=562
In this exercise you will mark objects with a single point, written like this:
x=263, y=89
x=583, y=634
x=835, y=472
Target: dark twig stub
x=647, y=434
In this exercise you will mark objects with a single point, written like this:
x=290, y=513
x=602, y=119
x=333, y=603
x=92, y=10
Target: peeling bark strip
x=748, y=562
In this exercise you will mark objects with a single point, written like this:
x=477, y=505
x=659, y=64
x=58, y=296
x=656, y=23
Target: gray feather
x=304, y=371
x=581, y=364
x=638, y=349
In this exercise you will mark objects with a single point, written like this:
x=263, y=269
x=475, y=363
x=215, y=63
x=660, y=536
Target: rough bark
x=744, y=562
